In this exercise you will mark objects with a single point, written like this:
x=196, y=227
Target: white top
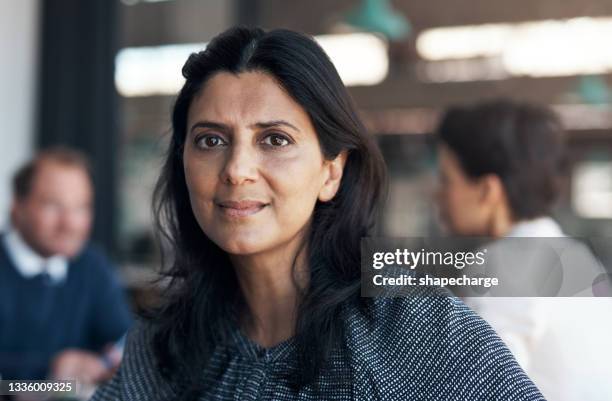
x=540, y=227
x=29, y=263
x=564, y=344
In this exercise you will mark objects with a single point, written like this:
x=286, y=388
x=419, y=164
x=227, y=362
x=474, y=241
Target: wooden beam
x=405, y=91
x=317, y=16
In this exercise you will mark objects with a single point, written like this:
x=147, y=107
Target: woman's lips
x=241, y=208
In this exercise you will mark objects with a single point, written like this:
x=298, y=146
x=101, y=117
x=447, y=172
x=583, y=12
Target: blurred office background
x=100, y=75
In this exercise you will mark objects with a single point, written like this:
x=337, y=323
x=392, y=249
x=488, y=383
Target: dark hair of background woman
x=204, y=295
x=522, y=143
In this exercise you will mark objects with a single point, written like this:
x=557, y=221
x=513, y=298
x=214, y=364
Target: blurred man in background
x=61, y=308
x=501, y=167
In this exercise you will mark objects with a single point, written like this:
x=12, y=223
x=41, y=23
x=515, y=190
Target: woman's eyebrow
x=209, y=124
x=275, y=123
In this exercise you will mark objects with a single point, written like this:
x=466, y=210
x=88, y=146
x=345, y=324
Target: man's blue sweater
x=37, y=319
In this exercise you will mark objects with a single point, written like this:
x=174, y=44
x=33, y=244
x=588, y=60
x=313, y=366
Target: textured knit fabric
x=414, y=348
x=38, y=319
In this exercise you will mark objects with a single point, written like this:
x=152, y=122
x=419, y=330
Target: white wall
x=19, y=29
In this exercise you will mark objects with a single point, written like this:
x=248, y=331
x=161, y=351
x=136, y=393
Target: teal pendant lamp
x=593, y=89
x=379, y=16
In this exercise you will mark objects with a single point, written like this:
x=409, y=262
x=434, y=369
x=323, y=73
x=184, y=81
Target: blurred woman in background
x=270, y=183
x=502, y=165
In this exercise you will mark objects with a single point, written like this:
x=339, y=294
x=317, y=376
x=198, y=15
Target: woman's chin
x=241, y=246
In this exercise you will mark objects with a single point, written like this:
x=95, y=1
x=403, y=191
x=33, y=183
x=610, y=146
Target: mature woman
x=269, y=184
x=502, y=164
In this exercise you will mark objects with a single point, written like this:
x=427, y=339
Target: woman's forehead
x=245, y=99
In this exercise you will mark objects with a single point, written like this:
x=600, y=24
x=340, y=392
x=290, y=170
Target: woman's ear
x=493, y=192
x=334, y=169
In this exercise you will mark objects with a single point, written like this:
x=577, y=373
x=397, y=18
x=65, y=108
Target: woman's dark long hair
x=203, y=291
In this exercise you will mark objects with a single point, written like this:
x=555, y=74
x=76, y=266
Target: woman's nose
x=241, y=165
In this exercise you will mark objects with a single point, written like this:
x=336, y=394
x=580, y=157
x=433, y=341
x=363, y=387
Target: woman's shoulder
x=138, y=377
x=139, y=346
x=430, y=342
x=423, y=316
x=416, y=312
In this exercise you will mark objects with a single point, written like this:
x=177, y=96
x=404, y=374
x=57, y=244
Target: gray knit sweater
x=414, y=348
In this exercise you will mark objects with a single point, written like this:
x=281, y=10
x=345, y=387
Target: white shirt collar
x=29, y=263
x=538, y=227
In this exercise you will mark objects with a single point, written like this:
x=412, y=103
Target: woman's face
x=253, y=164
x=463, y=206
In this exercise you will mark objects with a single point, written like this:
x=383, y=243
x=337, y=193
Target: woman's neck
x=268, y=284
x=501, y=222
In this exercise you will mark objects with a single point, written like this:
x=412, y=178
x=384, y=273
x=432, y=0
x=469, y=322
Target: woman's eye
x=209, y=141
x=276, y=140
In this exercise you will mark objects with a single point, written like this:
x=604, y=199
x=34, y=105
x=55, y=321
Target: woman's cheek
x=291, y=173
x=202, y=172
